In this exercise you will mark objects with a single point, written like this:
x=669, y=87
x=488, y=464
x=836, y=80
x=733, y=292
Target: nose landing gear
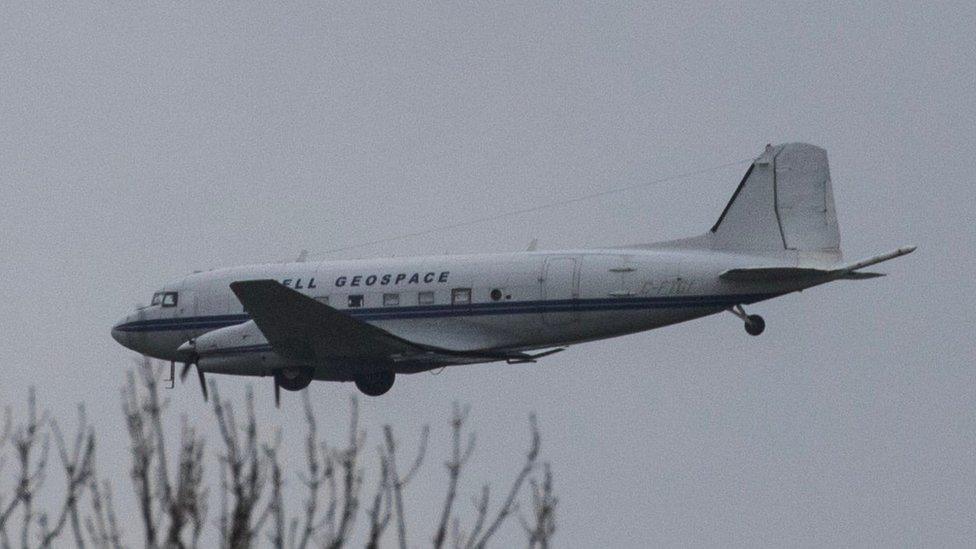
x=754, y=324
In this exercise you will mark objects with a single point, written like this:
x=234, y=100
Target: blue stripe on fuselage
x=475, y=309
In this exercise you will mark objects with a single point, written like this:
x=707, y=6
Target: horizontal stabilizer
x=857, y=275
x=905, y=250
x=771, y=274
x=847, y=272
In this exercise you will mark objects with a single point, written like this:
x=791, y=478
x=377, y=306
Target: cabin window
x=157, y=299
x=461, y=296
x=355, y=301
x=425, y=298
x=496, y=294
x=169, y=299
x=391, y=300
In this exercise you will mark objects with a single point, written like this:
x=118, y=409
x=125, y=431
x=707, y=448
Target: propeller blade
x=203, y=384
x=185, y=370
x=277, y=393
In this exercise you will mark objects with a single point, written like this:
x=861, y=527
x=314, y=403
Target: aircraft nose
x=119, y=333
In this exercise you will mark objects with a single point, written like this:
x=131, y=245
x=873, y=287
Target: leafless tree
x=77, y=463
x=243, y=471
x=161, y=505
x=397, y=482
x=172, y=500
x=480, y=533
x=332, y=473
x=4, y=435
x=458, y=460
x=32, y=467
x=382, y=509
x=102, y=525
x=31, y=442
x=276, y=505
x=543, y=524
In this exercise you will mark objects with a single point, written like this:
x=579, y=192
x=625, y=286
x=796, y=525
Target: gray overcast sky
x=140, y=143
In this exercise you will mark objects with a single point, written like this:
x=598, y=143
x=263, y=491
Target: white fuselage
x=488, y=302
x=777, y=234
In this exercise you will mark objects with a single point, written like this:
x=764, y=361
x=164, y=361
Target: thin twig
x=510, y=502
x=454, y=467
x=399, y=483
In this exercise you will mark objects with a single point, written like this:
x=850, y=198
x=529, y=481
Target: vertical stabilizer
x=784, y=202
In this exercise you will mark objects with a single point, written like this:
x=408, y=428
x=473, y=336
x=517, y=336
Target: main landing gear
x=375, y=384
x=754, y=324
x=293, y=379
x=290, y=379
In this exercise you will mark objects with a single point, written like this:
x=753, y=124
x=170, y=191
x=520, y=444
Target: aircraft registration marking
x=668, y=286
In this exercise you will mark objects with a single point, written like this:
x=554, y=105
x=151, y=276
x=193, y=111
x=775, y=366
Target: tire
x=293, y=380
x=755, y=325
x=375, y=384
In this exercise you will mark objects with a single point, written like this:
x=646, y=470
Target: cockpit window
x=166, y=299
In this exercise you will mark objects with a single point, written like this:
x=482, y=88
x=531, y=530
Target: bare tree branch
x=31, y=476
x=103, y=528
x=458, y=459
x=96, y=525
x=352, y=478
x=381, y=510
x=4, y=434
x=276, y=505
x=543, y=511
x=481, y=504
x=314, y=478
x=165, y=510
x=152, y=409
x=510, y=502
x=399, y=483
x=188, y=503
x=245, y=470
x=223, y=521
x=142, y=450
x=77, y=463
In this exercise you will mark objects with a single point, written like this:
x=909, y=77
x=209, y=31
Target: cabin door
x=560, y=290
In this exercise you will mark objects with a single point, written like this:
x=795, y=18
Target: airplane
x=368, y=320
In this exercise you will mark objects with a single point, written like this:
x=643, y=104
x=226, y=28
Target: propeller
x=277, y=392
x=203, y=382
x=192, y=358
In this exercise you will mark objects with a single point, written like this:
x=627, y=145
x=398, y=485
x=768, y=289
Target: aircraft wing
x=297, y=326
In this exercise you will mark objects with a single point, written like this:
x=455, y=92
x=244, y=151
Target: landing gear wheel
x=755, y=325
x=375, y=384
x=293, y=379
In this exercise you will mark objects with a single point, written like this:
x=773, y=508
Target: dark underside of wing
x=297, y=326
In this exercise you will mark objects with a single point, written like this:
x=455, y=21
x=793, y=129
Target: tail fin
x=784, y=202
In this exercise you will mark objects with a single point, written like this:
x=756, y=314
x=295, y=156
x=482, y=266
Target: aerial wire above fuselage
x=531, y=209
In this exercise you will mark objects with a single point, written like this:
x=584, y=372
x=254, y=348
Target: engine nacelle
x=241, y=350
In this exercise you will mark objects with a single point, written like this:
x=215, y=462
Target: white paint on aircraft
x=367, y=320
